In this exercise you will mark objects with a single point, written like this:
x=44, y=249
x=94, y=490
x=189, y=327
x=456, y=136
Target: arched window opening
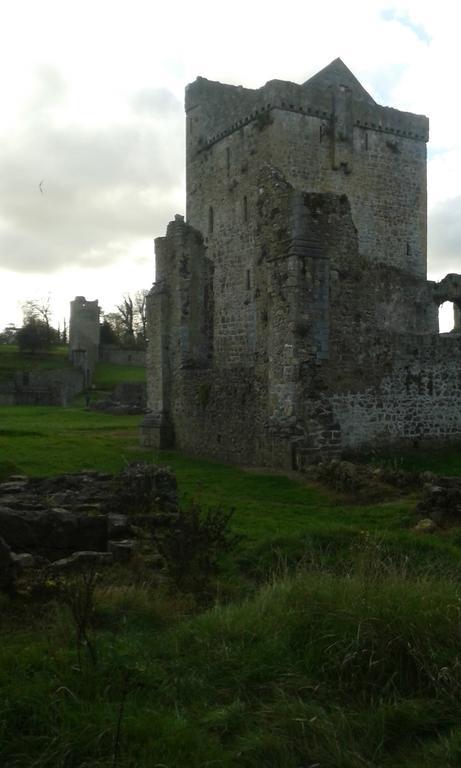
x=447, y=312
x=210, y=220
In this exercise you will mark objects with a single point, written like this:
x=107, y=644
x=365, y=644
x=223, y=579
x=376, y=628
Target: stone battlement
x=227, y=108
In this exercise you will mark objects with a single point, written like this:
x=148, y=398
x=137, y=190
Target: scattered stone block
x=426, y=525
x=123, y=550
x=80, y=560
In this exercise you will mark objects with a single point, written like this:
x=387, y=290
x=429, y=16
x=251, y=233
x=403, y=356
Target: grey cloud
x=50, y=90
x=157, y=102
x=101, y=189
x=444, y=241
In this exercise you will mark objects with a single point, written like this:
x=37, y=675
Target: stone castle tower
x=84, y=334
x=291, y=316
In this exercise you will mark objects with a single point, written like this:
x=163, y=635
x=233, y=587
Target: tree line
x=125, y=327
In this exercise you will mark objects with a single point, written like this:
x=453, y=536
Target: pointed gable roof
x=335, y=74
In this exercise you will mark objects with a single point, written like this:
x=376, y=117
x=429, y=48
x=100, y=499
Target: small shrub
x=78, y=593
x=191, y=548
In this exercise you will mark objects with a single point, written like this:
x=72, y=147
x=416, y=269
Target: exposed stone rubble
x=128, y=399
x=441, y=501
x=362, y=479
x=68, y=521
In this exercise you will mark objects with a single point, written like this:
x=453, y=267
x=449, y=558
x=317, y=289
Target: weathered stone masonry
x=291, y=316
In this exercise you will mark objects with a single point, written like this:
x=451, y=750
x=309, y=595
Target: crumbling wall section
x=417, y=402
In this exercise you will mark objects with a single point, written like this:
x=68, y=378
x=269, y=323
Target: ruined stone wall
x=328, y=335
x=419, y=401
x=54, y=387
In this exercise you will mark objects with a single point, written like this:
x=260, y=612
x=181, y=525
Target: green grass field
x=108, y=375
x=329, y=638
x=46, y=441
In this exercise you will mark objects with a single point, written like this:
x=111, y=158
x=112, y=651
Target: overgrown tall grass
x=331, y=639
x=337, y=671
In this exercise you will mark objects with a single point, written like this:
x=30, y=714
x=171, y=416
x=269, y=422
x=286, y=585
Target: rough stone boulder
x=362, y=479
x=52, y=533
x=441, y=501
x=57, y=516
x=140, y=487
x=145, y=488
x=81, y=561
x=129, y=398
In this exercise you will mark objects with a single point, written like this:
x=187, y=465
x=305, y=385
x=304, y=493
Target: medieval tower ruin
x=84, y=335
x=291, y=316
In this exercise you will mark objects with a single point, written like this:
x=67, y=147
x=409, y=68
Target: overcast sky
x=92, y=126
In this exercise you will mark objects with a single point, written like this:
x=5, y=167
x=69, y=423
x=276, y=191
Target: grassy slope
x=108, y=375
x=46, y=440
x=339, y=645
x=11, y=359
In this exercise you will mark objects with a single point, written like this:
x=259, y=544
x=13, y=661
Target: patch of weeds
x=8, y=468
x=78, y=593
x=192, y=546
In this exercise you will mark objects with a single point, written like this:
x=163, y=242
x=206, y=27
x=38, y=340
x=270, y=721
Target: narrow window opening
x=447, y=317
x=248, y=280
x=245, y=208
x=210, y=220
x=408, y=249
x=228, y=159
x=320, y=133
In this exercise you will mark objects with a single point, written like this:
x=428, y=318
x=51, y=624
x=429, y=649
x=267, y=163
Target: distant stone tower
x=84, y=334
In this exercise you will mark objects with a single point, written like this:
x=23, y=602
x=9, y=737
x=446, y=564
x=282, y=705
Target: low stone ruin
x=71, y=520
x=128, y=399
x=441, y=502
